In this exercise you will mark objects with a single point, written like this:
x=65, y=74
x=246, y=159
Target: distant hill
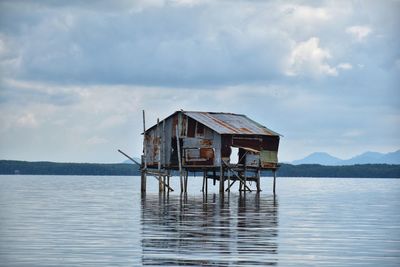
x=9, y=167
x=56, y=168
x=365, y=158
x=318, y=158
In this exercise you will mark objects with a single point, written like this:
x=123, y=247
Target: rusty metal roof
x=229, y=123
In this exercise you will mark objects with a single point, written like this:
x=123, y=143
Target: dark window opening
x=200, y=129
x=191, y=127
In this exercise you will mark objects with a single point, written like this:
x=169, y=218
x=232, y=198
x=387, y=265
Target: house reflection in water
x=237, y=231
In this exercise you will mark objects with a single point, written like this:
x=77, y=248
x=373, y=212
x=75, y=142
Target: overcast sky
x=75, y=75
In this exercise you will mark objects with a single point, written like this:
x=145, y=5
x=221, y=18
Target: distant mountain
x=392, y=157
x=364, y=158
x=318, y=158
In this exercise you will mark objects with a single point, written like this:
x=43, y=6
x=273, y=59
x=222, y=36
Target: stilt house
x=217, y=144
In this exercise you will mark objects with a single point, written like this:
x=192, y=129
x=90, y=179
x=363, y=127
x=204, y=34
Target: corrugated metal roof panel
x=228, y=123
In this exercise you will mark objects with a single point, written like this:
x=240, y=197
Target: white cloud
x=308, y=58
x=345, y=66
x=306, y=14
x=359, y=32
x=27, y=120
x=190, y=3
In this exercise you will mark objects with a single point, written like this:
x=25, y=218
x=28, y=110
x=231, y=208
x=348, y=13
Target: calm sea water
x=104, y=221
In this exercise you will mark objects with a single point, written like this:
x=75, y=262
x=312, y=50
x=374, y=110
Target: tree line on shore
x=8, y=167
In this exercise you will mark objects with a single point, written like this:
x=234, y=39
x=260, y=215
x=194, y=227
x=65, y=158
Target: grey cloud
x=168, y=46
x=22, y=96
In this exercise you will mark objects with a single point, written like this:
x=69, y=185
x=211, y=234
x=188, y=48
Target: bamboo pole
x=123, y=153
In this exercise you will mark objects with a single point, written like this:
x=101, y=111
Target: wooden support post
x=143, y=181
x=221, y=179
x=186, y=180
x=245, y=178
x=258, y=180
x=237, y=175
x=156, y=176
x=229, y=181
x=178, y=145
x=161, y=185
x=162, y=154
x=167, y=182
x=214, y=175
x=144, y=158
x=168, y=176
x=230, y=185
x=274, y=181
x=204, y=181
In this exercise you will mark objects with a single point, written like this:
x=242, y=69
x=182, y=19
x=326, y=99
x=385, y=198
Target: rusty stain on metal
x=206, y=153
x=206, y=142
x=222, y=123
x=245, y=130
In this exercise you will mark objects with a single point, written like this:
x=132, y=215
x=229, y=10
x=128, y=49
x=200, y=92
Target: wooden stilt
x=164, y=183
x=156, y=176
x=168, y=181
x=245, y=179
x=258, y=180
x=237, y=175
x=143, y=181
x=160, y=178
x=204, y=182
x=221, y=179
x=162, y=155
x=214, y=175
x=229, y=181
x=144, y=158
x=178, y=145
x=230, y=185
x=186, y=180
x=274, y=181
